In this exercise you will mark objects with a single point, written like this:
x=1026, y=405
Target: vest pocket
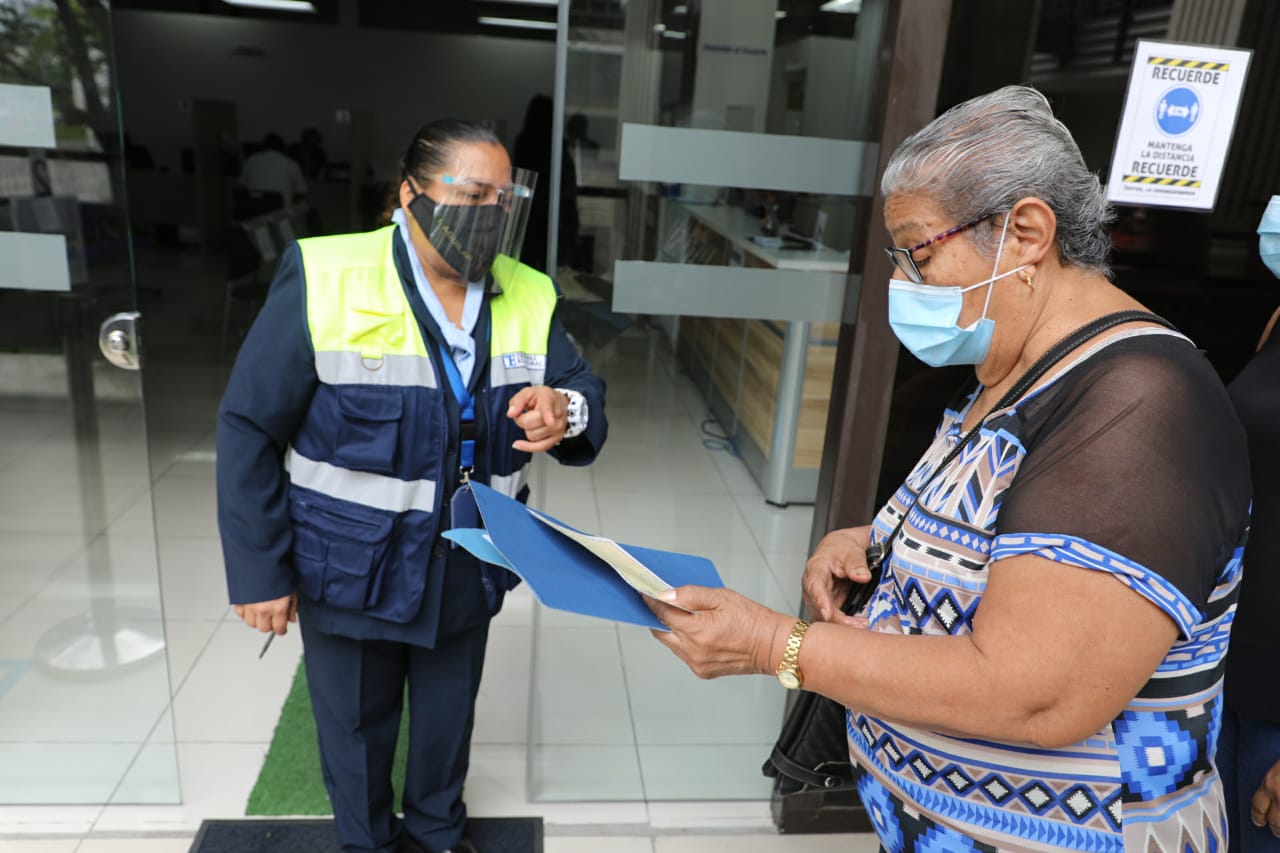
x=339, y=552
x=370, y=429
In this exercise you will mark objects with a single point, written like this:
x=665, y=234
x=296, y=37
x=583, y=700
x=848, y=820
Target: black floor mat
x=274, y=835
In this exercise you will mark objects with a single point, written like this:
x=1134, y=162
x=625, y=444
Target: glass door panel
x=84, y=682
x=720, y=150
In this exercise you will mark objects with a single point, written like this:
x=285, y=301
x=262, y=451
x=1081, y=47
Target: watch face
x=789, y=679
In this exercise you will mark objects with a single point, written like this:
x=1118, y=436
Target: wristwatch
x=788, y=671
x=576, y=412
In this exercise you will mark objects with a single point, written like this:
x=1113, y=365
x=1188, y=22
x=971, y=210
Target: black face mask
x=466, y=236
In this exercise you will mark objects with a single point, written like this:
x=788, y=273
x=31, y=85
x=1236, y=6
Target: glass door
x=720, y=153
x=84, y=682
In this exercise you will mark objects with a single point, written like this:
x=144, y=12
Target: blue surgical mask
x=1269, y=236
x=925, y=318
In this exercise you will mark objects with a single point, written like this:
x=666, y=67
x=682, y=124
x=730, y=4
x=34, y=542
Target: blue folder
x=562, y=573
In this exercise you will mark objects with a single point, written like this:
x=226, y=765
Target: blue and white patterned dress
x=1128, y=461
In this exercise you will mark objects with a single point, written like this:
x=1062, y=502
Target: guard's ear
x=1034, y=227
x=406, y=192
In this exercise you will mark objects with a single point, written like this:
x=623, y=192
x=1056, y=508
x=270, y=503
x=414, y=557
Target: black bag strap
x=837, y=773
x=879, y=552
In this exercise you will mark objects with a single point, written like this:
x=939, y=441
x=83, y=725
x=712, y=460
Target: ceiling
x=530, y=19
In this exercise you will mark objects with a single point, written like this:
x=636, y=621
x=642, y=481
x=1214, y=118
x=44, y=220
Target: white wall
x=735, y=54
x=309, y=71
x=789, y=58
x=835, y=95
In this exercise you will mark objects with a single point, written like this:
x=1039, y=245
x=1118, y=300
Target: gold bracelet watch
x=788, y=671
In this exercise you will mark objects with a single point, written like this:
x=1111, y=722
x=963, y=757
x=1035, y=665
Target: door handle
x=118, y=340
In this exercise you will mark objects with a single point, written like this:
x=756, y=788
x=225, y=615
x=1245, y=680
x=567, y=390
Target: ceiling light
x=521, y=23
x=673, y=34
x=274, y=5
x=843, y=7
x=682, y=9
x=659, y=28
x=779, y=15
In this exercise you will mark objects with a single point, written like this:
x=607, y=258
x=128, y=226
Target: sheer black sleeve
x=1136, y=464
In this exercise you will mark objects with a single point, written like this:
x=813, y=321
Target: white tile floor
x=630, y=753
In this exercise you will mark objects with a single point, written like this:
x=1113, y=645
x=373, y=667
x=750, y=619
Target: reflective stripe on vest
x=510, y=484
x=350, y=368
x=361, y=487
x=521, y=324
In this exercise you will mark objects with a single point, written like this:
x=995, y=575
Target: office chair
x=251, y=252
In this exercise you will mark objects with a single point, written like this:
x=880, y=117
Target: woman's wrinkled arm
x=1056, y=653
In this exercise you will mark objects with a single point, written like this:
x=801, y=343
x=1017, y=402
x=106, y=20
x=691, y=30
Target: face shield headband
x=471, y=222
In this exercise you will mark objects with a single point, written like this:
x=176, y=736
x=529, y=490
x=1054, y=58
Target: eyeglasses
x=903, y=260
x=468, y=191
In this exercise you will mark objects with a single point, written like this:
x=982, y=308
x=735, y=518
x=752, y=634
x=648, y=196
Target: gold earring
x=1026, y=276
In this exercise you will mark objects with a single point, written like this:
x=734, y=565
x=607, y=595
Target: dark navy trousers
x=1246, y=750
x=357, y=693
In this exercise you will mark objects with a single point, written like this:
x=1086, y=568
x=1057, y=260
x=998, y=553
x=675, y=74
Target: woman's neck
x=1074, y=304
x=447, y=285
x=453, y=298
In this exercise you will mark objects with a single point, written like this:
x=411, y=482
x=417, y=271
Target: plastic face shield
x=470, y=222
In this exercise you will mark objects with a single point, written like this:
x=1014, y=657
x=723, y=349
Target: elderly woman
x=1040, y=664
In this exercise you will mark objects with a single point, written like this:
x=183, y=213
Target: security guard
x=385, y=372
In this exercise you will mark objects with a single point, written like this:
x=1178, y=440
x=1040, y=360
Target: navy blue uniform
x=358, y=665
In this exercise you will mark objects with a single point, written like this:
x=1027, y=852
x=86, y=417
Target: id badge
x=463, y=512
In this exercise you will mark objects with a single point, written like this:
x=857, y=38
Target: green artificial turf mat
x=290, y=782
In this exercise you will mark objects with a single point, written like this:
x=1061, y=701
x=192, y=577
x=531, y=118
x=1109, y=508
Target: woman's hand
x=542, y=412
x=839, y=561
x=728, y=634
x=272, y=615
x=1264, y=809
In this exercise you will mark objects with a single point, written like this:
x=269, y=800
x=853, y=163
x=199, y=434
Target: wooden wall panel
x=728, y=358
x=760, y=383
x=820, y=363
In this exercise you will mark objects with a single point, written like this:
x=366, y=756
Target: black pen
x=270, y=636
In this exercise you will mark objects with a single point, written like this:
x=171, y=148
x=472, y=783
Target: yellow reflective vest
x=376, y=453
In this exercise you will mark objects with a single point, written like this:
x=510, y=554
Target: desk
x=768, y=382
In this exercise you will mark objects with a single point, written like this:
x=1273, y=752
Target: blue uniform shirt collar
x=461, y=343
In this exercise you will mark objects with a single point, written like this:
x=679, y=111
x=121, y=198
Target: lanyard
x=467, y=405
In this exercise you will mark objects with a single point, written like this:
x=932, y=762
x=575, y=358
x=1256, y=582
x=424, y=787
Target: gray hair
x=980, y=157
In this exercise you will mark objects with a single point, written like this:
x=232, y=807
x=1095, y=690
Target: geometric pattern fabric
x=926, y=791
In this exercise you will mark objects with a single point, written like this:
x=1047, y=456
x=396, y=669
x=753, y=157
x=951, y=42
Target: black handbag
x=812, y=751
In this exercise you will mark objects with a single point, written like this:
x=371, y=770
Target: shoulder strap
x=1266, y=333
x=1059, y=351
x=879, y=552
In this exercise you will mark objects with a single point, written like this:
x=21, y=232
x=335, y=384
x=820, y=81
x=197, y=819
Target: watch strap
x=576, y=413
x=788, y=670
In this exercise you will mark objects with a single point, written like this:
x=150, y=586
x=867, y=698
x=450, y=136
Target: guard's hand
x=270, y=615
x=728, y=634
x=1264, y=808
x=542, y=412
x=839, y=561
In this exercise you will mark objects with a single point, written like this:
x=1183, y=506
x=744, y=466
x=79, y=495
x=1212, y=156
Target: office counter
x=767, y=381
x=733, y=225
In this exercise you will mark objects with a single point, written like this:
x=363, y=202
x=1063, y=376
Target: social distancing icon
x=1178, y=111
